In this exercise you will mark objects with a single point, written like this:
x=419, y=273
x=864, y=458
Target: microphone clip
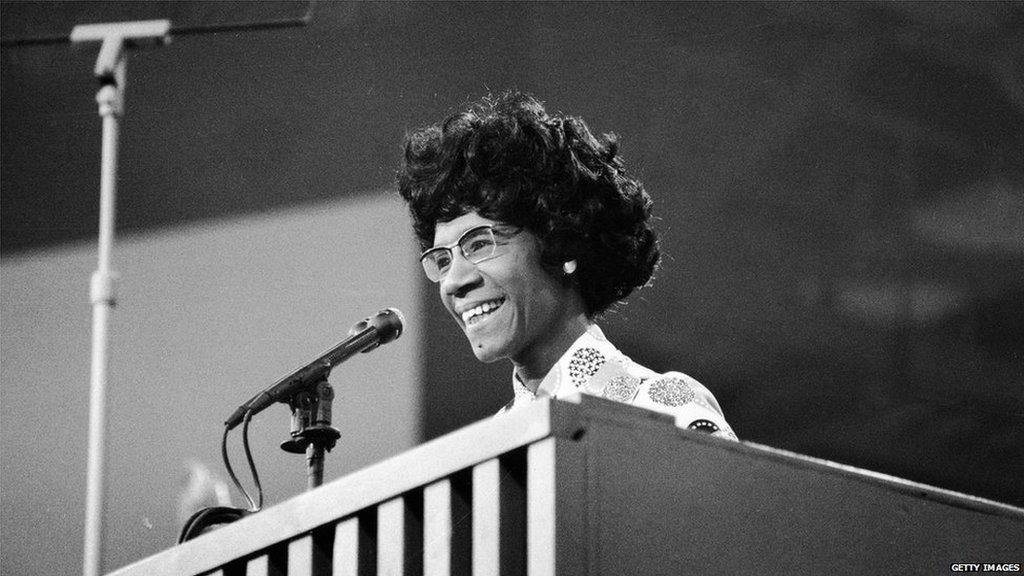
x=311, y=419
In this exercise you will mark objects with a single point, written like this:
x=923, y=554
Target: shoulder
x=690, y=402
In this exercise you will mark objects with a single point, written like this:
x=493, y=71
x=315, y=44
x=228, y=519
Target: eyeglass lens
x=476, y=245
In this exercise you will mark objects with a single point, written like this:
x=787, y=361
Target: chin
x=487, y=353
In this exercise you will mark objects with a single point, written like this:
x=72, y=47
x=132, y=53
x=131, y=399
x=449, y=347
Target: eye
x=478, y=244
x=442, y=259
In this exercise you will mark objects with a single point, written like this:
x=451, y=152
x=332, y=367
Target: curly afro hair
x=508, y=160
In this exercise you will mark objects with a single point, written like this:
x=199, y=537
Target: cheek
x=540, y=300
x=446, y=301
x=542, y=284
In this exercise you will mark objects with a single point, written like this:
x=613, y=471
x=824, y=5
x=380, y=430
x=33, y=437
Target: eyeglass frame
x=496, y=232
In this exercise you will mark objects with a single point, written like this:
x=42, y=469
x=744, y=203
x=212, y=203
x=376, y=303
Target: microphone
x=381, y=328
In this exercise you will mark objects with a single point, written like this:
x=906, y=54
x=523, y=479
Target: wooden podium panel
x=585, y=486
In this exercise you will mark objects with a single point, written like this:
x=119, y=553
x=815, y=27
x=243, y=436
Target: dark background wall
x=839, y=188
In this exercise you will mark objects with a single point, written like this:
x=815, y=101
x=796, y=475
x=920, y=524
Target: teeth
x=474, y=314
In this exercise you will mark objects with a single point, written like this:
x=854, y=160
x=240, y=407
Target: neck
x=533, y=365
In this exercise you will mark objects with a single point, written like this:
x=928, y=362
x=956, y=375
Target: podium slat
x=540, y=508
x=258, y=566
x=391, y=546
x=499, y=516
x=300, y=556
x=346, y=548
x=448, y=526
x=437, y=529
x=486, y=517
x=400, y=536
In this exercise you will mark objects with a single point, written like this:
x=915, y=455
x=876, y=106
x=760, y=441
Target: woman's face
x=508, y=306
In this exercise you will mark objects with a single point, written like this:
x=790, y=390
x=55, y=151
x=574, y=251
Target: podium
x=585, y=486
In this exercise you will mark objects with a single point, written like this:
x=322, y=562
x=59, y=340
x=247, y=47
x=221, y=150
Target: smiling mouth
x=478, y=313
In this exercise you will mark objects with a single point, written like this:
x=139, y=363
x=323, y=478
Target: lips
x=479, y=312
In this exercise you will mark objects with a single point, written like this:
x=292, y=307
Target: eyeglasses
x=476, y=244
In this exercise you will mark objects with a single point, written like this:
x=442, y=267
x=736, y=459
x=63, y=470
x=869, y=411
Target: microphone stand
x=115, y=38
x=311, y=430
x=110, y=71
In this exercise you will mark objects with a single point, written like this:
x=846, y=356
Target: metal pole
x=314, y=465
x=103, y=297
x=110, y=70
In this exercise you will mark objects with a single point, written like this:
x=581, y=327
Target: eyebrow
x=460, y=235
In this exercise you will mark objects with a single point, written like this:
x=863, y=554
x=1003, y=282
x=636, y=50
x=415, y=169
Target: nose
x=462, y=276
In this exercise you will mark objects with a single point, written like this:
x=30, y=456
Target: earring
x=569, y=267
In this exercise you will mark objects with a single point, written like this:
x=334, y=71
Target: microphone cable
x=204, y=519
x=254, y=505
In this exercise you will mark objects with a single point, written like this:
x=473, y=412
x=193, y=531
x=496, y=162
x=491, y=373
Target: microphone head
x=388, y=323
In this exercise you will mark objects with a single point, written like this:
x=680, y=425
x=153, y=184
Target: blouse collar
x=573, y=370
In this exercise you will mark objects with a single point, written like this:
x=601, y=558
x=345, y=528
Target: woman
x=531, y=229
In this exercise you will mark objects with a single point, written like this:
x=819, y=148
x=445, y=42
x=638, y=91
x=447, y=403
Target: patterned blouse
x=593, y=365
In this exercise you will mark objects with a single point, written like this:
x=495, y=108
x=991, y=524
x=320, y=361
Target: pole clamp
x=103, y=288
